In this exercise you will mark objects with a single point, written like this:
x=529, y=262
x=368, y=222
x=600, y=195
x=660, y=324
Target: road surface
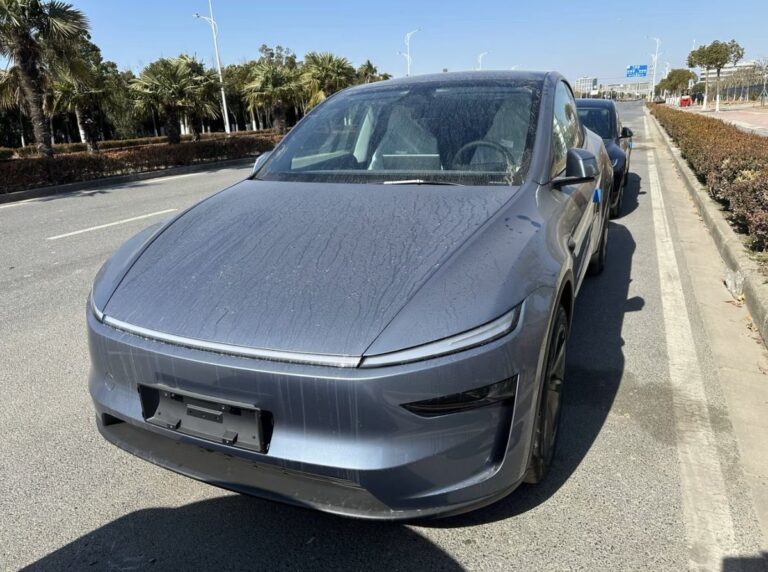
x=661, y=463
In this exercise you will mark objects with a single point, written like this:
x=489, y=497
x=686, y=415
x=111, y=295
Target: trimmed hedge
x=66, y=148
x=731, y=163
x=29, y=173
x=6, y=153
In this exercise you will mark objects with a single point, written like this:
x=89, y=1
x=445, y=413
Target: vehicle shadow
x=595, y=366
x=242, y=533
x=631, y=192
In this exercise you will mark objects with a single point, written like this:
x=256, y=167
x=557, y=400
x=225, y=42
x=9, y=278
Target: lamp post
x=407, y=53
x=480, y=60
x=655, y=58
x=215, y=31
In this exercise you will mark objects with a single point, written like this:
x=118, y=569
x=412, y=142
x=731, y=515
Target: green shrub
x=64, y=148
x=28, y=173
x=731, y=163
x=6, y=153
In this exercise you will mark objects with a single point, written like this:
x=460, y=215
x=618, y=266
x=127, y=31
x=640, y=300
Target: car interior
x=457, y=129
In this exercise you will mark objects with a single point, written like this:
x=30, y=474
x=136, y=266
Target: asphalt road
x=648, y=473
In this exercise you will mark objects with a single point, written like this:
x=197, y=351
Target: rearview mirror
x=580, y=167
x=260, y=160
x=626, y=133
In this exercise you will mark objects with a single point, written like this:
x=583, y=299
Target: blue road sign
x=637, y=71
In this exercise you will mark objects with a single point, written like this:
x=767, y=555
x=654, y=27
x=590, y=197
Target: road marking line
x=117, y=222
x=707, y=515
x=18, y=203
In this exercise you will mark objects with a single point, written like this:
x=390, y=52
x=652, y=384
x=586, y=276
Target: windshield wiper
x=421, y=182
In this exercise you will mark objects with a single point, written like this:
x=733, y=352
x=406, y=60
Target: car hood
x=301, y=267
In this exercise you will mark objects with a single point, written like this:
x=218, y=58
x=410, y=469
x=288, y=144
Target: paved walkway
x=752, y=119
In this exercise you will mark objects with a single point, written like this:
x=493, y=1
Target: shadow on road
x=243, y=533
x=595, y=369
x=631, y=192
x=757, y=563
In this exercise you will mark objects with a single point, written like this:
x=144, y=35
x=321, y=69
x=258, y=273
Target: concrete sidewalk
x=753, y=119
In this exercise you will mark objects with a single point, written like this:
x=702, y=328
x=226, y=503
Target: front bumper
x=341, y=441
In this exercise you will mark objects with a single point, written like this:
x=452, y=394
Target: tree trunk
x=279, y=114
x=706, y=89
x=717, y=89
x=80, y=126
x=172, y=124
x=32, y=87
x=154, y=124
x=253, y=120
x=21, y=128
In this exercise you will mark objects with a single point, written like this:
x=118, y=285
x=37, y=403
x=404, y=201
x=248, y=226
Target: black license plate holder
x=229, y=423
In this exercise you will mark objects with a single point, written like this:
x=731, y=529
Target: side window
x=566, y=132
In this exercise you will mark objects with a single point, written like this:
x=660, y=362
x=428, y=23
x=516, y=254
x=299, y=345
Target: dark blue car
x=602, y=117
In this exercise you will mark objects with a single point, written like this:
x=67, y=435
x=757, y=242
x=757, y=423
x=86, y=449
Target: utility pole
x=480, y=61
x=407, y=53
x=215, y=31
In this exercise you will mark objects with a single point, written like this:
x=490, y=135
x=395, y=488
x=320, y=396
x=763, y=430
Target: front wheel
x=599, y=258
x=547, y=421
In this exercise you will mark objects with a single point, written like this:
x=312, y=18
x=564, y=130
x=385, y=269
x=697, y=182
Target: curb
x=732, y=250
x=120, y=179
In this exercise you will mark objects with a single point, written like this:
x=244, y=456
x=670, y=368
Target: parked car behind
x=602, y=117
x=375, y=323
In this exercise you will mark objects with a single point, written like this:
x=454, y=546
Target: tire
x=549, y=405
x=599, y=258
x=615, y=211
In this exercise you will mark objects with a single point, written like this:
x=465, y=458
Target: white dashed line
x=707, y=516
x=117, y=222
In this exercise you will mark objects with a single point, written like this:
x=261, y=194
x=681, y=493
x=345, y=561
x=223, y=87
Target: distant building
x=627, y=89
x=727, y=71
x=586, y=86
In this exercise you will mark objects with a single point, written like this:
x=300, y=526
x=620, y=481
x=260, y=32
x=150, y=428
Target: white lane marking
x=117, y=222
x=162, y=179
x=707, y=515
x=151, y=180
x=18, y=203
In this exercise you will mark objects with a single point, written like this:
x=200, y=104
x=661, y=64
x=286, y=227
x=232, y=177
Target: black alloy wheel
x=550, y=402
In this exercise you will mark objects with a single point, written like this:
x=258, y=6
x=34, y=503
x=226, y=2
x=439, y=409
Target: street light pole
x=215, y=31
x=480, y=61
x=407, y=53
x=652, y=90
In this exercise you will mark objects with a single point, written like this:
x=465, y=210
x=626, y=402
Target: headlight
x=96, y=312
x=482, y=335
x=503, y=391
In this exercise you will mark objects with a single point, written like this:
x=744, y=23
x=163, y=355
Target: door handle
x=571, y=243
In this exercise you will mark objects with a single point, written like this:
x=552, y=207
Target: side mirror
x=580, y=167
x=626, y=133
x=260, y=160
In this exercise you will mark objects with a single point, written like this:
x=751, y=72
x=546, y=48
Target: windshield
x=597, y=119
x=473, y=133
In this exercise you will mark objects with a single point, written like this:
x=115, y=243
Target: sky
x=595, y=38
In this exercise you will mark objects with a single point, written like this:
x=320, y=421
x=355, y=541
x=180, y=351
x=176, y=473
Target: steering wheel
x=503, y=151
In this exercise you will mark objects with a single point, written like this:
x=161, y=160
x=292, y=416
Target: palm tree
x=11, y=96
x=325, y=74
x=175, y=87
x=367, y=72
x=29, y=29
x=272, y=87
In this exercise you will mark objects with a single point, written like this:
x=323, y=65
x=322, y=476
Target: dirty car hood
x=302, y=267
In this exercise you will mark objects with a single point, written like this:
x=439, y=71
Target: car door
x=579, y=212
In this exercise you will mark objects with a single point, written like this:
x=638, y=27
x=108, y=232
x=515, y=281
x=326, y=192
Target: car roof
x=448, y=78
x=599, y=103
